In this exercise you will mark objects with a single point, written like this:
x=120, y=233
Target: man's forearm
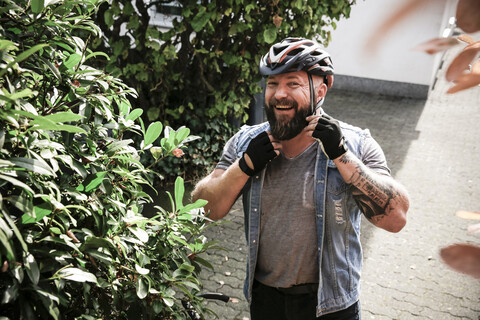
x=220, y=188
x=383, y=201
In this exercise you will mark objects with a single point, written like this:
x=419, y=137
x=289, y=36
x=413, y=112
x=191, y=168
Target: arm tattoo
x=373, y=197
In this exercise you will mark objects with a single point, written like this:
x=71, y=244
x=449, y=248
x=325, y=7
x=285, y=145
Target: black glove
x=260, y=150
x=328, y=132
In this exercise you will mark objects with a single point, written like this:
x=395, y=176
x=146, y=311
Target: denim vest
x=338, y=224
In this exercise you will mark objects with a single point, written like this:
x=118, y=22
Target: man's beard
x=285, y=128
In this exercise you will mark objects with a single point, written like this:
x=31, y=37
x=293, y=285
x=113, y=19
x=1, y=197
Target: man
x=305, y=179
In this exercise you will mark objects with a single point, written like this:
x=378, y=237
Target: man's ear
x=321, y=91
x=320, y=87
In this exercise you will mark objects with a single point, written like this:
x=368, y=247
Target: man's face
x=287, y=104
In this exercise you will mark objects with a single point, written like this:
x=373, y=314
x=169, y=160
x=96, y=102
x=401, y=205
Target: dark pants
x=272, y=304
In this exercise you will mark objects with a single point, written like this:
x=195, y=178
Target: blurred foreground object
x=464, y=71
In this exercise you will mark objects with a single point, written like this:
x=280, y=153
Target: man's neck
x=293, y=147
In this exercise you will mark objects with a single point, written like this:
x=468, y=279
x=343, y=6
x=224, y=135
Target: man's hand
x=259, y=152
x=327, y=131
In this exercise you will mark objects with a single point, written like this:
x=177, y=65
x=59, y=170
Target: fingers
x=248, y=160
x=318, y=124
x=275, y=143
x=312, y=124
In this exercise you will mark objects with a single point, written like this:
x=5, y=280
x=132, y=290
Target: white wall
x=394, y=60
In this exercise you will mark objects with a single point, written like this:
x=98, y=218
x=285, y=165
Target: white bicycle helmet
x=295, y=54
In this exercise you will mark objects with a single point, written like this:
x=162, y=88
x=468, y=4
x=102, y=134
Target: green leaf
x=157, y=306
x=6, y=163
x=72, y=60
x=201, y=19
x=153, y=114
x=10, y=295
x=142, y=288
x=141, y=270
x=178, y=239
x=98, y=53
x=203, y=262
x=187, y=267
x=119, y=145
x=96, y=242
x=191, y=285
x=200, y=203
x=41, y=211
x=74, y=164
x=181, y=134
x=143, y=259
x=23, y=94
x=55, y=230
x=298, y=4
x=43, y=123
x=65, y=116
x=68, y=128
x=50, y=302
x=124, y=107
x=153, y=132
x=5, y=228
x=16, y=232
x=134, y=114
x=6, y=44
x=270, y=35
x=38, y=5
x=179, y=193
x=168, y=301
x=141, y=234
x=91, y=182
x=23, y=202
x=108, y=16
x=18, y=273
x=33, y=165
x=77, y=275
x=7, y=246
x=156, y=152
x=105, y=258
x=52, y=68
x=32, y=268
x=24, y=55
x=129, y=160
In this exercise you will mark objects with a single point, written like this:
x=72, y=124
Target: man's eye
x=272, y=83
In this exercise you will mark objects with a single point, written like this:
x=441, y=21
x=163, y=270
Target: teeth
x=283, y=107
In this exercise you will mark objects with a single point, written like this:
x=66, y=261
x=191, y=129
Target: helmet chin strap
x=313, y=106
x=312, y=94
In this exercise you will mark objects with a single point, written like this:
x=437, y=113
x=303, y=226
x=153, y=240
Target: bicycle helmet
x=295, y=54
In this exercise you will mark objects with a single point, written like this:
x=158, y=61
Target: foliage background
x=74, y=242
x=202, y=72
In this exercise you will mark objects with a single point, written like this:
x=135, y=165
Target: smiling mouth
x=281, y=107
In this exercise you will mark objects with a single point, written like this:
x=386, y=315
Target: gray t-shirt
x=288, y=252
x=288, y=238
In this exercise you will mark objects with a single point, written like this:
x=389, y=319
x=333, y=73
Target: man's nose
x=281, y=92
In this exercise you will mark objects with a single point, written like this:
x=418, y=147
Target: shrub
x=73, y=240
x=203, y=71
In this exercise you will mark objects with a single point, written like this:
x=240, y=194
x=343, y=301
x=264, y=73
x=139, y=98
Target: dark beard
x=283, y=129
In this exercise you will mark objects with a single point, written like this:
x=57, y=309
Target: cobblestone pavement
x=432, y=148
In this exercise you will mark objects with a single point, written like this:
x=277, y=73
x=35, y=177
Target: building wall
x=393, y=68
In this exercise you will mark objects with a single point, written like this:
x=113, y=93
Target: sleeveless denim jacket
x=337, y=218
